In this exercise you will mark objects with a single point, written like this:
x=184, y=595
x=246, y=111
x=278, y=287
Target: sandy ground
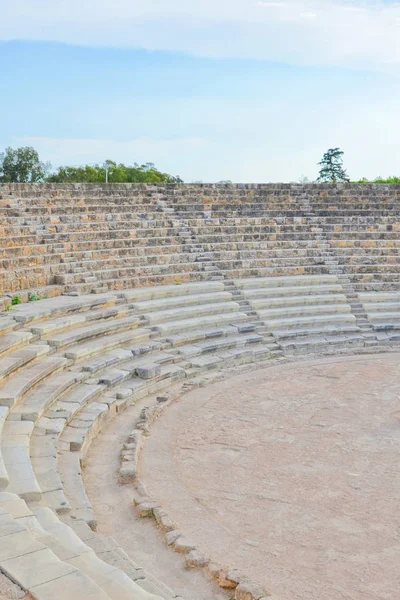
x=117, y=517
x=290, y=474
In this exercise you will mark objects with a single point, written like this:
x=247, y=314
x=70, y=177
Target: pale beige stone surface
x=290, y=475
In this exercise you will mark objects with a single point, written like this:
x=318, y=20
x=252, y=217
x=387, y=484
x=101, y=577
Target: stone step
x=4, y=479
x=223, y=343
x=187, y=312
x=15, y=452
x=321, y=343
x=86, y=332
x=290, y=281
x=298, y=300
x=181, y=301
x=108, y=342
x=20, y=358
x=69, y=322
x=25, y=559
x=312, y=310
x=299, y=325
x=67, y=545
x=36, y=401
x=14, y=389
x=14, y=340
x=171, y=327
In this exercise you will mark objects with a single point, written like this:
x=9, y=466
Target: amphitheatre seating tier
x=84, y=238
x=187, y=279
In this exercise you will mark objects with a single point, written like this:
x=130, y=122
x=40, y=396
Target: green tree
x=117, y=173
x=389, y=180
x=332, y=170
x=22, y=165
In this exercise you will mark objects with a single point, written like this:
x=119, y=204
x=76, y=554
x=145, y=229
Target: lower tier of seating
x=69, y=364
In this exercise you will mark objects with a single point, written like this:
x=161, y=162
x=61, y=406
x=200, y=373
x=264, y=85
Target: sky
x=241, y=90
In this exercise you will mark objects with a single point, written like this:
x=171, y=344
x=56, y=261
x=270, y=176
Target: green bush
x=16, y=300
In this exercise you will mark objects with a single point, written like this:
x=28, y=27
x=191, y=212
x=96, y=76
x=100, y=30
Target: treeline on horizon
x=23, y=165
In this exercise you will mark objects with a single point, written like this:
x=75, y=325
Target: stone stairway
x=357, y=309
x=245, y=306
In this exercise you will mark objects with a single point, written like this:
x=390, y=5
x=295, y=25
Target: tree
x=332, y=170
x=117, y=173
x=22, y=165
x=393, y=180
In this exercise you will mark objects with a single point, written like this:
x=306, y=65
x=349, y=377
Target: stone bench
x=15, y=451
x=290, y=301
x=288, y=312
x=180, y=325
x=281, y=291
x=38, y=541
x=4, y=479
x=15, y=388
x=14, y=340
x=35, y=401
x=290, y=281
x=310, y=323
x=80, y=334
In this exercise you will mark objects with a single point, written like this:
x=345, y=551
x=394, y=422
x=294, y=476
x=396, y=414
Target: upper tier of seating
x=83, y=238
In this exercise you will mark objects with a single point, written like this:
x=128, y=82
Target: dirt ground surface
x=117, y=516
x=290, y=474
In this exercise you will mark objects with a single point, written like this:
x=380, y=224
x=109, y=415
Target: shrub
x=16, y=300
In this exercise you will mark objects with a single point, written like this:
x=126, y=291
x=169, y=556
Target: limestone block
x=196, y=559
x=163, y=520
x=127, y=473
x=35, y=568
x=145, y=509
x=56, y=500
x=74, y=585
x=15, y=388
x=183, y=545
x=171, y=537
x=12, y=504
x=249, y=591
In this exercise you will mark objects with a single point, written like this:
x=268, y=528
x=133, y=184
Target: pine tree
x=332, y=170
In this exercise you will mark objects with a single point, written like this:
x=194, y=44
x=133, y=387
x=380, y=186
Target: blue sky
x=224, y=89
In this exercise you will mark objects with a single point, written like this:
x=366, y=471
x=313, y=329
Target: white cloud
x=316, y=32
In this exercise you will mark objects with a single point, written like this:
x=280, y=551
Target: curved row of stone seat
x=53, y=407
